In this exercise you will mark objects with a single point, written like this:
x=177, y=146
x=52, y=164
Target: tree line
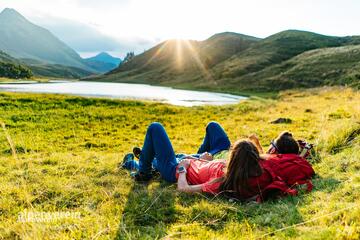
x=10, y=70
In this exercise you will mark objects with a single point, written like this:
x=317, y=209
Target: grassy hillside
x=6, y=57
x=329, y=66
x=42, y=69
x=15, y=68
x=68, y=148
x=12, y=69
x=177, y=61
x=254, y=67
x=272, y=50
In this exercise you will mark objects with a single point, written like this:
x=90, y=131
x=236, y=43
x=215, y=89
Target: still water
x=126, y=91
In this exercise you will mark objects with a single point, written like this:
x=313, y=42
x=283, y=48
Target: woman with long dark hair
x=244, y=164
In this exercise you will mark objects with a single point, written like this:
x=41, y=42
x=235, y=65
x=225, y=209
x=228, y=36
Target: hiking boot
x=155, y=173
x=137, y=152
x=128, y=162
x=142, y=177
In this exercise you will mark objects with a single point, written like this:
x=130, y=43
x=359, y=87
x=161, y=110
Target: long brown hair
x=243, y=164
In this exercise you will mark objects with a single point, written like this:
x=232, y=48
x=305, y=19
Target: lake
x=126, y=91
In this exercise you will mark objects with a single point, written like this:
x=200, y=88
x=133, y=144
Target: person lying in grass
x=284, y=163
x=157, y=152
x=245, y=176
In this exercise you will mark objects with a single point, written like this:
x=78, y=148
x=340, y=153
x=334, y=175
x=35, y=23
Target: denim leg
x=157, y=145
x=134, y=165
x=131, y=165
x=215, y=139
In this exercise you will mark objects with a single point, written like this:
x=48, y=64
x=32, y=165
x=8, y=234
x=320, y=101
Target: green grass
x=37, y=79
x=68, y=149
x=327, y=66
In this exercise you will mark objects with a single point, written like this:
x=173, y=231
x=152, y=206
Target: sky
x=120, y=26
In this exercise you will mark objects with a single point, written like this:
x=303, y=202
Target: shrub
x=10, y=70
x=342, y=137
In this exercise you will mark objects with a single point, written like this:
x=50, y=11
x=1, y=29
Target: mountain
x=10, y=68
x=241, y=70
x=25, y=68
x=22, y=39
x=319, y=67
x=224, y=45
x=42, y=69
x=274, y=49
x=7, y=58
x=106, y=58
x=103, y=62
x=237, y=63
x=176, y=61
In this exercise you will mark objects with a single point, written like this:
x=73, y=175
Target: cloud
x=135, y=25
x=102, y=4
x=87, y=38
x=81, y=37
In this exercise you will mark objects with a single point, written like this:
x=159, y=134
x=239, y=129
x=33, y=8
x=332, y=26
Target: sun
x=182, y=54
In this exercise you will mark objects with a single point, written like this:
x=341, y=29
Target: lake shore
x=126, y=91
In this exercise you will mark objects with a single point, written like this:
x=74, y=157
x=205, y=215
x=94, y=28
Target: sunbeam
x=179, y=64
x=157, y=53
x=195, y=54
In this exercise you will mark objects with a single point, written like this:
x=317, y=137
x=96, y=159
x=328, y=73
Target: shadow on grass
x=271, y=215
x=148, y=211
x=281, y=214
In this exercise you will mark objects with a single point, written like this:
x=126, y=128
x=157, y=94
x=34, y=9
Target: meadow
x=61, y=154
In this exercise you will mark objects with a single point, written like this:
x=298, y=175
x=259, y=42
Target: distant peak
x=233, y=34
x=295, y=31
x=105, y=57
x=10, y=12
x=103, y=54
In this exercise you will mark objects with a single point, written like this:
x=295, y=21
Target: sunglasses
x=273, y=147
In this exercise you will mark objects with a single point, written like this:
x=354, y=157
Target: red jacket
x=281, y=173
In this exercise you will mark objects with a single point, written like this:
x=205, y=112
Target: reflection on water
x=127, y=91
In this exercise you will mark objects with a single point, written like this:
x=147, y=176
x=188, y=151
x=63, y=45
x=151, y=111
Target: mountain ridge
x=238, y=71
x=19, y=68
x=103, y=62
x=175, y=59
x=106, y=57
x=22, y=39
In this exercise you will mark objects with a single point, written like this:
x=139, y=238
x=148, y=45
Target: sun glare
x=198, y=61
x=179, y=54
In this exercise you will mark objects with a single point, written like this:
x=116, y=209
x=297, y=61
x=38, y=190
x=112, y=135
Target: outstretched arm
x=256, y=141
x=183, y=185
x=206, y=157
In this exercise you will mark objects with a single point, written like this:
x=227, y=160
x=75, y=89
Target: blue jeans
x=215, y=140
x=157, y=151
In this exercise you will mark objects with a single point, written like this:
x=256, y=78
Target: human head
x=243, y=163
x=284, y=143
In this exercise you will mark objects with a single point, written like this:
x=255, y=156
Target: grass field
x=37, y=79
x=68, y=148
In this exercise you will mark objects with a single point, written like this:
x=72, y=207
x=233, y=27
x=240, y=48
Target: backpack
x=292, y=169
x=287, y=171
